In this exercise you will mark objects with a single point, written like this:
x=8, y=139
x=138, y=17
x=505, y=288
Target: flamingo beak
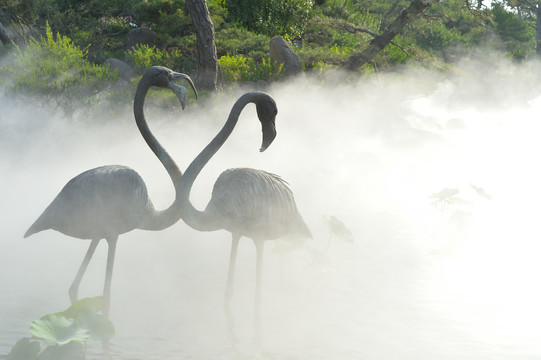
x=178, y=76
x=181, y=92
x=269, y=134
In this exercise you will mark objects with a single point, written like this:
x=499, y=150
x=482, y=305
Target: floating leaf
x=90, y=304
x=98, y=326
x=70, y=351
x=57, y=329
x=24, y=349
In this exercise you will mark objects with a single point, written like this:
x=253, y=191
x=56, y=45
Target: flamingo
x=245, y=202
x=107, y=201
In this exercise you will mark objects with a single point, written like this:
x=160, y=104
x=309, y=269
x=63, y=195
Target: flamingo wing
x=98, y=203
x=255, y=203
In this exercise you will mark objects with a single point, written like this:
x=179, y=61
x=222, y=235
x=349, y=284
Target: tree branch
x=4, y=37
x=379, y=42
x=353, y=29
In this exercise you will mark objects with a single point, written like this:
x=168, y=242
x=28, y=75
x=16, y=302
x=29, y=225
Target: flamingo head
x=266, y=112
x=166, y=78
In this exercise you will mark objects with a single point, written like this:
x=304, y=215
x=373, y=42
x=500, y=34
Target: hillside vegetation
x=60, y=46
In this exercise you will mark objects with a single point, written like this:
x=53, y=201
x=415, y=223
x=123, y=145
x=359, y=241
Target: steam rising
x=436, y=177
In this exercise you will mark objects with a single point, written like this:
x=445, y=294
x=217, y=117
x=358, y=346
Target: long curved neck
x=159, y=219
x=196, y=219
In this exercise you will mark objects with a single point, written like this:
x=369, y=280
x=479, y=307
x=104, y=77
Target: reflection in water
x=234, y=339
x=451, y=280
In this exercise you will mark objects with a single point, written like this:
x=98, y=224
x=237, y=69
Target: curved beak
x=179, y=90
x=269, y=133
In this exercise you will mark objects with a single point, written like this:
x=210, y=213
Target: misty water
x=436, y=176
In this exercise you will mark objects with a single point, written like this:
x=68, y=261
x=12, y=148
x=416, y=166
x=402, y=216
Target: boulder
x=124, y=70
x=281, y=53
x=140, y=36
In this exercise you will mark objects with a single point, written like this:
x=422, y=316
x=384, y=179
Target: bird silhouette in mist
x=338, y=229
x=245, y=202
x=481, y=192
x=107, y=201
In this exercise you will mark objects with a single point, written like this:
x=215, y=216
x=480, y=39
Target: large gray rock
x=124, y=70
x=140, y=36
x=281, y=52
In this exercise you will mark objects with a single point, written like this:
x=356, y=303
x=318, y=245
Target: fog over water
x=437, y=177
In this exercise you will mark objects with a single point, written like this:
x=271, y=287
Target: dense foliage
x=240, y=69
x=285, y=17
x=61, y=45
x=57, y=73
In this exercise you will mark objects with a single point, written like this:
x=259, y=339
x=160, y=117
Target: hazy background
x=420, y=281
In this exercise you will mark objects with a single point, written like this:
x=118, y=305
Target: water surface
x=426, y=277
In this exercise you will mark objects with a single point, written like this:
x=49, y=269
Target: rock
x=124, y=70
x=281, y=53
x=140, y=36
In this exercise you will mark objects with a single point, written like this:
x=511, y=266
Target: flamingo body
x=256, y=204
x=97, y=204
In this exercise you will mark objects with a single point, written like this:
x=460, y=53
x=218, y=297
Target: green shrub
x=348, y=10
x=438, y=37
x=518, y=39
x=239, y=41
x=145, y=56
x=287, y=18
x=315, y=57
x=101, y=23
x=396, y=55
x=168, y=18
x=328, y=42
x=56, y=73
x=239, y=69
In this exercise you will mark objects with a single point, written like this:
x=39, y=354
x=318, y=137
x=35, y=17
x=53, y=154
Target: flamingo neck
x=200, y=220
x=165, y=218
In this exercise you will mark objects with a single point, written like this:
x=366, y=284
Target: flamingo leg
x=257, y=303
x=109, y=274
x=232, y=260
x=259, y=264
x=74, y=288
